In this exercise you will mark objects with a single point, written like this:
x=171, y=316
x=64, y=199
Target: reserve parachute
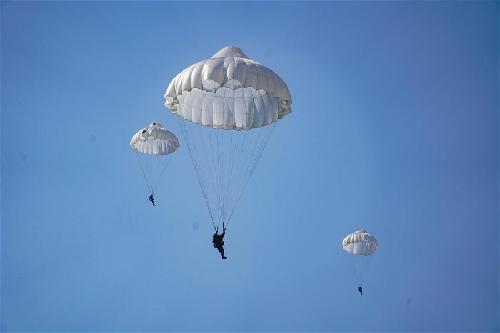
x=227, y=107
x=153, y=146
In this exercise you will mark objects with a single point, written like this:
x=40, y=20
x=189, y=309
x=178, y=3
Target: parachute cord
x=209, y=158
x=260, y=151
x=359, y=271
x=219, y=176
x=237, y=159
x=228, y=171
x=224, y=162
x=223, y=180
x=154, y=185
x=143, y=172
x=241, y=152
x=208, y=136
x=204, y=181
x=230, y=166
x=185, y=133
x=187, y=136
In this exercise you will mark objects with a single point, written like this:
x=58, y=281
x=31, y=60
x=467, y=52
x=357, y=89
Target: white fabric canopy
x=229, y=91
x=360, y=242
x=154, y=140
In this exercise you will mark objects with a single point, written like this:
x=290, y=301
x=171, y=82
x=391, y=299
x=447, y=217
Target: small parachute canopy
x=360, y=242
x=154, y=140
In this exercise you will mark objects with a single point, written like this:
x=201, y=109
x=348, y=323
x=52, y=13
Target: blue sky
x=394, y=129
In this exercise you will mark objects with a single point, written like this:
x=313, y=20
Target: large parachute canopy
x=153, y=145
x=229, y=91
x=228, y=106
x=360, y=242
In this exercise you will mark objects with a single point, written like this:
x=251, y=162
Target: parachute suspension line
x=207, y=136
x=143, y=172
x=240, y=159
x=233, y=147
x=196, y=134
x=222, y=177
x=198, y=154
x=361, y=266
x=357, y=271
x=365, y=269
x=232, y=158
x=216, y=161
x=224, y=180
x=224, y=160
x=192, y=130
x=218, y=180
x=188, y=137
x=163, y=165
x=259, y=150
x=235, y=157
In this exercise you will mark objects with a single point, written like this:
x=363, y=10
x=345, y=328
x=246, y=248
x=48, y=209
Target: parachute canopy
x=360, y=242
x=154, y=140
x=229, y=91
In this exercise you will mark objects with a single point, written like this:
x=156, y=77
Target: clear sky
x=394, y=129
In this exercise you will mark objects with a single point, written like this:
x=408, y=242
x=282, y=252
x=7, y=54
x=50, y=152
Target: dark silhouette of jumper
x=218, y=240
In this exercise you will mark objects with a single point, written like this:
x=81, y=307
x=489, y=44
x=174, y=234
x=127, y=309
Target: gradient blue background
x=394, y=129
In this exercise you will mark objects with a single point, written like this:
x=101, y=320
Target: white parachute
x=153, y=146
x=228, y=106
x=362, y=245
x=229, y=91
x=360, y=242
